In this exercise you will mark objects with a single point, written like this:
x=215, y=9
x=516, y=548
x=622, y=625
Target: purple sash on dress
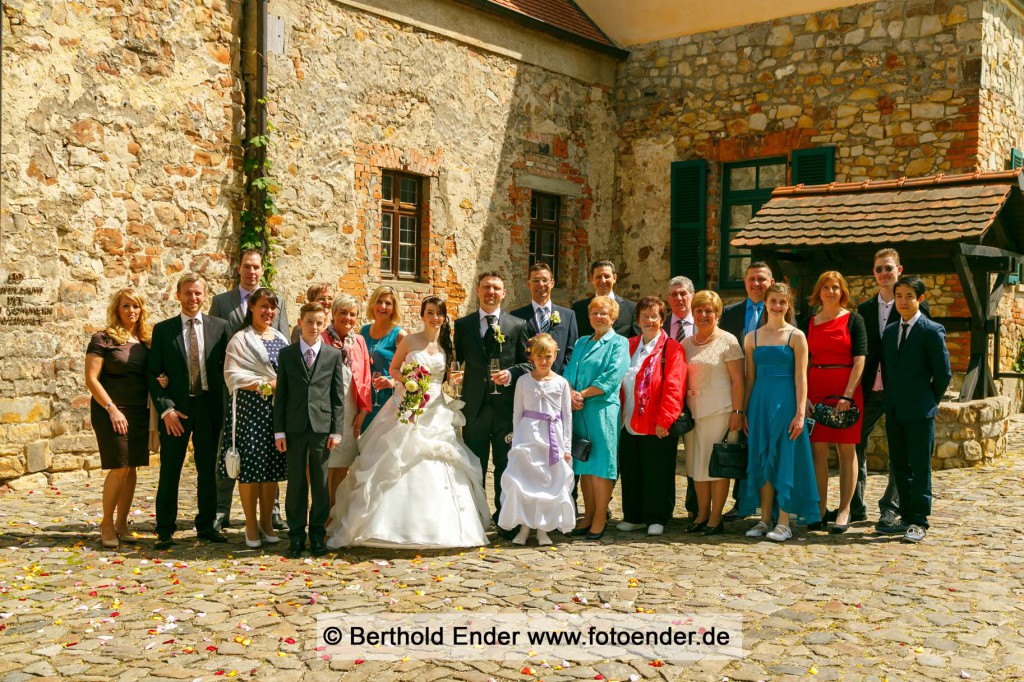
x=553, y=451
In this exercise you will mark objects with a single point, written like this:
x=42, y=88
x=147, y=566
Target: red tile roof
x=935, y=208
x=559, y=16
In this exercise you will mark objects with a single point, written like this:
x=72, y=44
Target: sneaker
x=780, y=534
x=542, y=538
x=627, y=526
x=888, y=518
x=915, y=533
x=655, y=529
x=757, y=531
x=890, y=525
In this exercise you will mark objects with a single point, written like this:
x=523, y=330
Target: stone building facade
x=123, y=129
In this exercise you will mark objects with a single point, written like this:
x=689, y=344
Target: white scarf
x=247, y=362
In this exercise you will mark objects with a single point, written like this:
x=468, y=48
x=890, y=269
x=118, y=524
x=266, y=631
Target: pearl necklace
x=698, y=342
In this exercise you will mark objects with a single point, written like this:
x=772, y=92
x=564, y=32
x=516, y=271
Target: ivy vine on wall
x=260, y=216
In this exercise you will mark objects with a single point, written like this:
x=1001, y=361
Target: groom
x=480, y=336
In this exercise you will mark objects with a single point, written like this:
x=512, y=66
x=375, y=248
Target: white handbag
x=232, y=461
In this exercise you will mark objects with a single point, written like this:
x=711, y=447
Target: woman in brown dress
x=115, y=374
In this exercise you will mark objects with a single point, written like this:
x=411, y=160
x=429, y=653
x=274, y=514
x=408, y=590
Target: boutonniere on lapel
x=498, y=336
x=555, y=318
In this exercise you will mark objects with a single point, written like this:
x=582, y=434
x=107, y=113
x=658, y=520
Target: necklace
x=698, y=342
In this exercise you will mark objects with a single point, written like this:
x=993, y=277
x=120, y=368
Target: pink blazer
x=360, y=370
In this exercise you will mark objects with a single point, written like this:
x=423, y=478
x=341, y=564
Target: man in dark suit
x=543, y=316
x=915, y=363
x=189, y=348
x=739, y=319
x=878, y=313
x=308, y=411
x=232, y=306
x=603, y=277
x=481, y=336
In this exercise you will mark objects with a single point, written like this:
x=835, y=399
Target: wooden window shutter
x=815, y=166
x=689, y=220
x=1016, y=159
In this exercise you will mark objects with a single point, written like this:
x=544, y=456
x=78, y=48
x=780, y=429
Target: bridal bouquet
x=416, y=381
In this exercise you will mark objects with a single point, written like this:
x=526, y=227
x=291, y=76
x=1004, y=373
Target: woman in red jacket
x=652, y=398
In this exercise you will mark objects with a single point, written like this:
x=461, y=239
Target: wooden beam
x=966, y=275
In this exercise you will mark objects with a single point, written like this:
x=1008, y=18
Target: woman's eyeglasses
x=879, y=269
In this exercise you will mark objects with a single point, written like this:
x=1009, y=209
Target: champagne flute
x=455, y=375
x=495, y=368
x=373, y=385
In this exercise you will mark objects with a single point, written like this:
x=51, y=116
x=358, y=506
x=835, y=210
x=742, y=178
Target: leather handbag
x=684, y=423
x=580, y=448
x=827, y=415
x=729, y=460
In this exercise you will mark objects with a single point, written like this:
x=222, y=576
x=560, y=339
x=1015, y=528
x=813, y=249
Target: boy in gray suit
x=308, y=413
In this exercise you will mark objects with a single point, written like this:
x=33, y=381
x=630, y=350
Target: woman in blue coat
x=595, y=372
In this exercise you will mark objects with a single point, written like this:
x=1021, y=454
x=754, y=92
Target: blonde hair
x=606, y=301
x=706, y=297
x=825, y=277
x=782, y=289
x=541, y=343
x=384, y=290
x=344, y=302
x=115, y=330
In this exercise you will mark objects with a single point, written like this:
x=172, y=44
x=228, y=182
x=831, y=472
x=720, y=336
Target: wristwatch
x=738, y=412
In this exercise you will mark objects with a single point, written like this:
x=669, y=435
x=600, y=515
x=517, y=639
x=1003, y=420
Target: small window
x=400, y=222
x=544, y=216
x=747, y=186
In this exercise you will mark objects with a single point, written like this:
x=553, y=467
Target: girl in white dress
x=536, y=488
x=415, y=484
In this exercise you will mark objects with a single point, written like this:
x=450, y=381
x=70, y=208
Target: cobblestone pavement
x=850, y=607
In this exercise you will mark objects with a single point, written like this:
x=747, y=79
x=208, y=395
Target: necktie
x=904, y=330
x=195, y=379
x=545, y=319
x=245, y=301
x=755, y=317
x=489, y=340
x=681, y=331
x=310, y=358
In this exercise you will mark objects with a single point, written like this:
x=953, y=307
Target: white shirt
x=629, y=381
x=244, y=294
x=202, y=346
x=883, y=312
x=483, y=320
x=910, y=325
x=674, y=326
x=303, y=347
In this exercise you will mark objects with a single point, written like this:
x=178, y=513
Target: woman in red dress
x=838, y=343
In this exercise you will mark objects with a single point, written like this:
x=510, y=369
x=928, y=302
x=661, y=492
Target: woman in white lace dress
x=415, y=484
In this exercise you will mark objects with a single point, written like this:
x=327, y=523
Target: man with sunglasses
x=878, y=312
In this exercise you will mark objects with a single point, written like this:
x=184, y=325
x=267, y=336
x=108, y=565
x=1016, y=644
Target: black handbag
x=580, y=448
x=684, y=423
x=828, y=415
x=729, y=460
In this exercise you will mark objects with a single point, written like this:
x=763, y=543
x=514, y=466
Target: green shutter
x=689, y=220
x=815, y=166
x=1016, y=159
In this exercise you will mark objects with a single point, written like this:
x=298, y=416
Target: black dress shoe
x=714, y=530
x=856, y=517
x=830, y=516
x=579, y=532
x=163, y=542
x=732, y=514
x=212, y=536
x=295, y=549
x=596, y=536
x=279, y=524
x=696, y=527
x=818, y=525
x=317, y=547
x=508, y=534
x=221, y=521
x=838, y=529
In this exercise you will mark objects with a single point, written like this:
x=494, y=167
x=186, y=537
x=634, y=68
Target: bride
x=414, y=484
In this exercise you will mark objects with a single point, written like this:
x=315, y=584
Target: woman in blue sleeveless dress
x=780, y=469
x=382, y=337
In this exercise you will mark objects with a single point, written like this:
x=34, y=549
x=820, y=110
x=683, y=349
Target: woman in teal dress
x=780, y=468
x=595, y=372
x=382, y=336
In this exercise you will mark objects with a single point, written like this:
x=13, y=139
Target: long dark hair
x=445, y=335
x=256, y=297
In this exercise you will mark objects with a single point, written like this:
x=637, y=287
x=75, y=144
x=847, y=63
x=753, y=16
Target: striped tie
x=681, y=331
x=545, y=319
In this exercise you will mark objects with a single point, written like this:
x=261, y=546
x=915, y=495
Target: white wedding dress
x=413, y=486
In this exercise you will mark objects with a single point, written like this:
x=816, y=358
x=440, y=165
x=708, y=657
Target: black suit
x=228, y=306
x=734, y=318
x=168, y=355
x=873, y=408
x=624, y=325
x=916, y=374
x=308, y=406
x=488, y=416
x=565, y=333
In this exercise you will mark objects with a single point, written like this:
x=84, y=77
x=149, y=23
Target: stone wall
x=357, y=92
x=1001, y=118
x=118, y=124
x=893, y=84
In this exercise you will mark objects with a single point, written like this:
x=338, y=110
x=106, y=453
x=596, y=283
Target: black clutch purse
x=580, y=448
x=684, y=423
x=728, y=460
x=828, y=415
